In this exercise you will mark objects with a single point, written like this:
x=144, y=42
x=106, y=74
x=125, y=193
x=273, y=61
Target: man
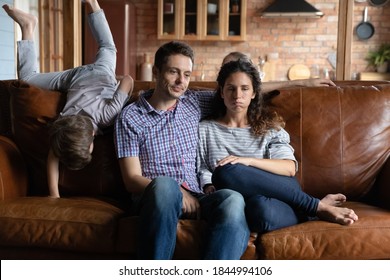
x=156, y=141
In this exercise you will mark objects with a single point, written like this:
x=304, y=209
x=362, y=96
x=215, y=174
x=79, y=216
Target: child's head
x=234, y=56
x=71, y=140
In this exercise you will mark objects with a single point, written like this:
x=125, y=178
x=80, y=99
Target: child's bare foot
x=27, y=22
x=334, y=214
x=334, y=199
x=93, y=3
x=126, y=85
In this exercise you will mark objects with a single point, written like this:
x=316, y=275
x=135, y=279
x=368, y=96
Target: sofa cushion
x=188, y=242
x=13, y=174
x=77, y=224
x=189, y=239
x=366, y=239
x=32, y=109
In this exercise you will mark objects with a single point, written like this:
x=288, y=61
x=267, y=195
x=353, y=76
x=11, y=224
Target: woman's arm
x=278, y=158
x=285, y=167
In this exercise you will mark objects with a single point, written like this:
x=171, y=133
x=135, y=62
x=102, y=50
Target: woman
x=244, y=147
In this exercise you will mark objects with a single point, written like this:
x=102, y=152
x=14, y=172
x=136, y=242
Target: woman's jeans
x=272, y=201
x=159, y=209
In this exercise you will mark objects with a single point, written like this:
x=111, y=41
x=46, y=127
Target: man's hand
x=208, y=189
x=317, y=82
x=191, y=207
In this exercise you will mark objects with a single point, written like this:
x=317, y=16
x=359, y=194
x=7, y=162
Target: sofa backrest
x=340, y=136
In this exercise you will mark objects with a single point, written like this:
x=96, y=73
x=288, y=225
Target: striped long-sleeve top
x=217, y=141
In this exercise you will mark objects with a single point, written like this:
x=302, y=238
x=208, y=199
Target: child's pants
x=104, y=65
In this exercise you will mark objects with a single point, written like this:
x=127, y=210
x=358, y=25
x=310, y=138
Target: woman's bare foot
x=27, y=22
x=126, y=84
x=334, y=214
x=334, y=199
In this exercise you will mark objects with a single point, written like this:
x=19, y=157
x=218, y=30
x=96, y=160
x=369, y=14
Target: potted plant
x=379, y=58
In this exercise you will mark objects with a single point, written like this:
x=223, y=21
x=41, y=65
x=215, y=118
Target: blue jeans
x=272, y=201
x=159, y=209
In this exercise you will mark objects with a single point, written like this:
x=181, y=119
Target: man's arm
x=314, y=82
x=132, y=175
x=136, y=183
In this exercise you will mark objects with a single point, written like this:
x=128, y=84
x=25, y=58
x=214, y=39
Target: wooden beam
x=45, y=35
x=72, y=32
x=60, y=34
x=344, y=40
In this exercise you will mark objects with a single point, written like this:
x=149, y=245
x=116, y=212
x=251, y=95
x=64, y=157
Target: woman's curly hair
x=260, y=117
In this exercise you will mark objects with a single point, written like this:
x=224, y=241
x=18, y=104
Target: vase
x=146, y=69
x=382, y=68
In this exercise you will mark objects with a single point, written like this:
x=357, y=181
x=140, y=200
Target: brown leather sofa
x=341, y=136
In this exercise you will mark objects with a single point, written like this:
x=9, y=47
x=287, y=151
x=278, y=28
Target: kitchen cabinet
x=211, y=20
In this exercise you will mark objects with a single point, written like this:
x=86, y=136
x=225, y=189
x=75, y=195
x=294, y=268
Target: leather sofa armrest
x=13, y=173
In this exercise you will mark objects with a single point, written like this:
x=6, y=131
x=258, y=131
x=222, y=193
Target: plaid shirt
x=164, y=141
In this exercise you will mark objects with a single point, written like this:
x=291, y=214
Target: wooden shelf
x=374, y=76
x=191, y=21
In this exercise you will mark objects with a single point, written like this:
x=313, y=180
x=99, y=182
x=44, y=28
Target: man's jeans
x=272, y=201
x=159, y=209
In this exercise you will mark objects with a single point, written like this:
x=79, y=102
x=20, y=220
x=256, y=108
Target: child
x=94, y=98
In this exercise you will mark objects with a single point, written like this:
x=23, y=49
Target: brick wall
x=295, y=40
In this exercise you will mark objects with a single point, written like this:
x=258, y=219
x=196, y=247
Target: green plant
x=380, y=56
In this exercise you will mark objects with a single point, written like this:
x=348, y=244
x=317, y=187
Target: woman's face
x=237, y=92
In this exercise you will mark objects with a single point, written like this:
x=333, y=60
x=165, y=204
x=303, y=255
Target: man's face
x=175, y=76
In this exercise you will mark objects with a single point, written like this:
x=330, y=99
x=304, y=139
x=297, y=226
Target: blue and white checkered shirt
x=164, y=141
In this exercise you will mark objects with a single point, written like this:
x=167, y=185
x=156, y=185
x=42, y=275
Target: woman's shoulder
x=206, y=124
x=280, y=133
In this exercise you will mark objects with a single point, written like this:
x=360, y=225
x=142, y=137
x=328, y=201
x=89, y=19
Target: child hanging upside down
x=94, y=97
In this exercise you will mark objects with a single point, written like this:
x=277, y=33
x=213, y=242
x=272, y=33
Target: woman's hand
x=235, y=159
